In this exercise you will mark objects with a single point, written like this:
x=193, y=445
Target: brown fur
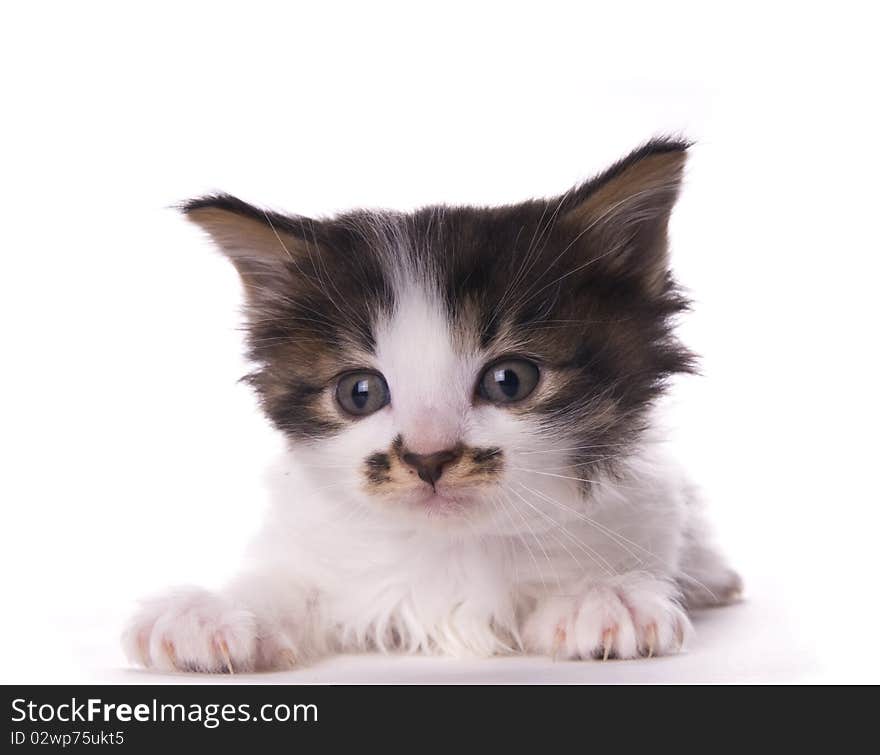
x=387, y=474
x=578, y=284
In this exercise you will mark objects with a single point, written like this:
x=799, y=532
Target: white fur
x=530, y=564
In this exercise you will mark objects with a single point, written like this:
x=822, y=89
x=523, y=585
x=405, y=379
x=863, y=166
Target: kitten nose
x=430, y=466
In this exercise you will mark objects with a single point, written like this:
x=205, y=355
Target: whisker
x=620, y=539
x=586, y=448
x=540, y=544
x=596, y=557
x=592, y=522
x=495, y=502
x=577, y=479
x=525, y=543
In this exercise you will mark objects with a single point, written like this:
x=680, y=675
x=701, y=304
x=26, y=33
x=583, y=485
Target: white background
x=132, y=460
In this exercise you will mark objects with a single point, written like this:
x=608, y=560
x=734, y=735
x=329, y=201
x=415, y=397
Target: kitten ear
x=622, y=215
x=265, y=247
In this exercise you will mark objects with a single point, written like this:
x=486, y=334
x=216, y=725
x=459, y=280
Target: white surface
x=752, y=642
x=132, y=459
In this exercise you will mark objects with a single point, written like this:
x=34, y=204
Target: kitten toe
x=192, y=630
x=627, y=617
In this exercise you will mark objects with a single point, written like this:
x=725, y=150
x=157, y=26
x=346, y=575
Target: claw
x=651, y=638
x=143, y=646
x=289, y=657
x=168, y=646
x=679, y=634
x=607, y=642
x=558, y=640
x=224, y=651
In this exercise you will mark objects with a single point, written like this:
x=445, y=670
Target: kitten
x=473, y=467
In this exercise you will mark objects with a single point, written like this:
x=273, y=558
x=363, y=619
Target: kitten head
x=440, y=363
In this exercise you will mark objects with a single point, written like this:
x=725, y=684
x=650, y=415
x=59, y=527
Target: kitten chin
x=468, y=395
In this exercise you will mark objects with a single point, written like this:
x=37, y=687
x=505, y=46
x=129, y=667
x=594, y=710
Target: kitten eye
x=362, y=393
x=508, y=380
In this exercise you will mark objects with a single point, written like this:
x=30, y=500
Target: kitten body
x=475, y=464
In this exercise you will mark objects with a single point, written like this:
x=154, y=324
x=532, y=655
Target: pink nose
x=430, y=466
x=429, y=429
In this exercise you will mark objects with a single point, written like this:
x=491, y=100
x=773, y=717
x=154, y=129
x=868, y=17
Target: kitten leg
x=705, y=579
x=704, y=576
x=627, y=616
x=258, y=624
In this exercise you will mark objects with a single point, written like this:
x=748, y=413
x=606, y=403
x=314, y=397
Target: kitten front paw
x=628, y=616
x=192, y=630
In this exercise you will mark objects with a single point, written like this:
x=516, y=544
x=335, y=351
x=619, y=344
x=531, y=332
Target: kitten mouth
x=444, y=500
